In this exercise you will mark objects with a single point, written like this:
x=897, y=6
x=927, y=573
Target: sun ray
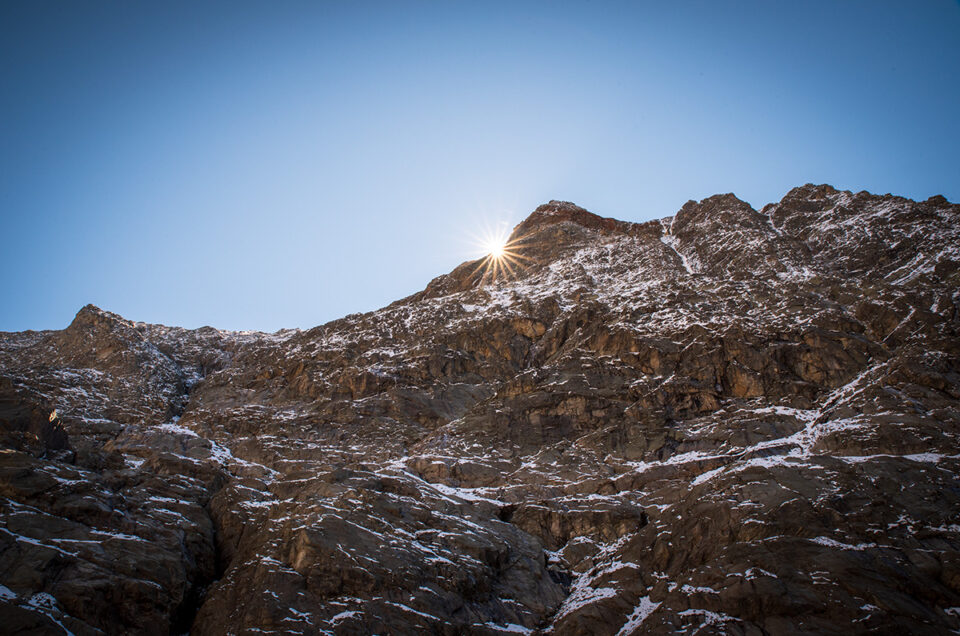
x=502, y=255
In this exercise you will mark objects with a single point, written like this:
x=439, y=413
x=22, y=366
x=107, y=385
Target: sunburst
x=502, y=256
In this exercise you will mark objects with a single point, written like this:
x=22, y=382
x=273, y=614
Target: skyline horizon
x=469, y=260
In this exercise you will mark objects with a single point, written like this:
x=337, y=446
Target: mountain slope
x=726, y=421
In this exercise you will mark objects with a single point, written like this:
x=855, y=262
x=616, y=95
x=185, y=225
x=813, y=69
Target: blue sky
x=258, y=165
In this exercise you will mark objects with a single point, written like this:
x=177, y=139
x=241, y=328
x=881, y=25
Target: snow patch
x=640, y=613
x=510, y=628
x=832, y=543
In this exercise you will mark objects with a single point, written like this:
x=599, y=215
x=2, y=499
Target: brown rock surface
x=726, y=421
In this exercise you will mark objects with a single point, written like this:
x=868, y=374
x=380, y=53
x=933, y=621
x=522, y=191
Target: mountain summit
x=729, y=421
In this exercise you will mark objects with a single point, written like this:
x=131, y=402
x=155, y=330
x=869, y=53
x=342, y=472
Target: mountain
x=728, y=421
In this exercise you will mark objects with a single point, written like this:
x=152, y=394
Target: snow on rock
x=712, y=422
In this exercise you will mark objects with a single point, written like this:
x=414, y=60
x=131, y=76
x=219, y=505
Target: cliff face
x=727, y=421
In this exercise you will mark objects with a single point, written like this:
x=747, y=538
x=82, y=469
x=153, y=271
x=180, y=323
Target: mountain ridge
x=556, y=212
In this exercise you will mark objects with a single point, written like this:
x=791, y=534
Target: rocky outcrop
x=725, y=421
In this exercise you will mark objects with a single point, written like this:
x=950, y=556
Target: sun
x=496, y=246
x=502, y=257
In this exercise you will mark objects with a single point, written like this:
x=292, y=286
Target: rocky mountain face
x=729, y=421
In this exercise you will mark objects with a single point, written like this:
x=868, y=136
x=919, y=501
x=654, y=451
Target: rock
x=725, y=421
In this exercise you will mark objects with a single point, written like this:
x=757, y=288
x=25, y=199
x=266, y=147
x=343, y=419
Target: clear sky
x=258, y=165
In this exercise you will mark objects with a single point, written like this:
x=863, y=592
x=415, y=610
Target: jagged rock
x=725, y=421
